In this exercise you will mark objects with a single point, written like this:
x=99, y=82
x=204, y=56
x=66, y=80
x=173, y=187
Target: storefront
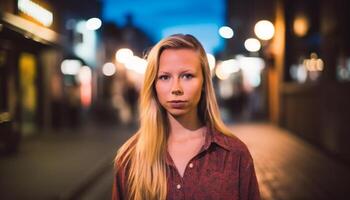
x=316, y=80
x=29, y=54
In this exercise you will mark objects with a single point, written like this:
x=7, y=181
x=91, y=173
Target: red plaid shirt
x=223, y=169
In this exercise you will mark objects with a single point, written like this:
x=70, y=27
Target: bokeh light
x=252, y=45
x=70, y=66
x=264, y=30
x=301, y=26
x=93, y=24
x=226, y=32
x=123, y=55
x=226, y=68
x=108, y=69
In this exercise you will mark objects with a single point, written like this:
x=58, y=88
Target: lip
x=177, y=104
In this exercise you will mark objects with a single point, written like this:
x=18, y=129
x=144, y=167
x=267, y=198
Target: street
x=79, y=165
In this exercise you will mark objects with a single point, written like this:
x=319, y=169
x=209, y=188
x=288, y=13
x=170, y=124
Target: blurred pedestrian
x=73, y=105
x=131, y=95
x=182, y=149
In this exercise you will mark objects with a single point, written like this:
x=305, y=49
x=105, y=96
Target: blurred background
x=71, y=71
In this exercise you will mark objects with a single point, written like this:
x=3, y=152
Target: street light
x=124, y=55
x=264, y=30
x=252, y=45
x=301, y=25
x=226, y=68
x=136, y=64
x=226, y=32
x=93, y=24
x=71, y=66
x=108, y=69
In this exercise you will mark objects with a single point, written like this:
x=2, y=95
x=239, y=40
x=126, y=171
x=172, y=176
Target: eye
x=187, y=76
x=163, y=77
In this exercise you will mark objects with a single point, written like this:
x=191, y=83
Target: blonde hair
x=144, y=154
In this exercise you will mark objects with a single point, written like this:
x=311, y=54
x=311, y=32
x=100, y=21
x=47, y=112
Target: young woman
x=182, y=149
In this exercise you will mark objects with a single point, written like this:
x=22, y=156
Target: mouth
x=176, y=101
x=177, y=104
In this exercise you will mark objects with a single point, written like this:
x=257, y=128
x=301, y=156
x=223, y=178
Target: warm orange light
x=301, y=26
x=314, y=63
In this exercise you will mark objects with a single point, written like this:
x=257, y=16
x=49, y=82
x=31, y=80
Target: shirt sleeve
x=248, y=187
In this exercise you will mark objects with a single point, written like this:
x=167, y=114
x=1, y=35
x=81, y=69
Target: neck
x=183, y=126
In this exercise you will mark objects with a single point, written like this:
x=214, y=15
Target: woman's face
x=179, y=81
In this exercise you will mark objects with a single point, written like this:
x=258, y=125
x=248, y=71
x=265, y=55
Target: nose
x=176, y=88
x=177, y=92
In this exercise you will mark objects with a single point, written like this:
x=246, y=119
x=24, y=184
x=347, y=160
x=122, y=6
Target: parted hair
x=144, y=153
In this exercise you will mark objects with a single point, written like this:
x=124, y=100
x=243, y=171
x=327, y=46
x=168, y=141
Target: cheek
x=161, y=92
x=199, y=94
x=196, y=91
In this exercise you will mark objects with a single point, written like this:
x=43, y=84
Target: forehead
x=172, y=59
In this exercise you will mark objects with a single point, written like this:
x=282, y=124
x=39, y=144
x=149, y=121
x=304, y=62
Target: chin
x=177, y=112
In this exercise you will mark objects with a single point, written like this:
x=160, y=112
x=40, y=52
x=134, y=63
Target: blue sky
x=157, y=18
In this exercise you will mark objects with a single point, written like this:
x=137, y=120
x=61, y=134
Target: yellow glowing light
x=314, y=63
x=264, y=30
x=5, y=117
x=319, y=64
x=252, y=45
x=301, y=26
x=124, y=55
x=37, y=12
x=226, y=32
x=27, y=74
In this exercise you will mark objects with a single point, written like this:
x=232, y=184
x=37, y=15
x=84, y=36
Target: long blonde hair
x=144, y=153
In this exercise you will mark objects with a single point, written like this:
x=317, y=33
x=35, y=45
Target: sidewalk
x=59, y=165
x=289, y=168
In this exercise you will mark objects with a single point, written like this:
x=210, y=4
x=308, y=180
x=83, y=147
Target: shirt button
x=178, y=186
x=191, y=165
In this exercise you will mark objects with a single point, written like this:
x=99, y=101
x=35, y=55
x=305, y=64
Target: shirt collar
x=212, y=136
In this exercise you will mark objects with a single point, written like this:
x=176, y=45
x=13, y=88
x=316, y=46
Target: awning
x=32, y=30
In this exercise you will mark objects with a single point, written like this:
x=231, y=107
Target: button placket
x=179, y=182
x=178, y=186
x=190, y=165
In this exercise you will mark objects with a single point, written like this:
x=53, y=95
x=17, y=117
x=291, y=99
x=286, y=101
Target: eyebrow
x=184, y=71
x=161, y=72
x=187, y=70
